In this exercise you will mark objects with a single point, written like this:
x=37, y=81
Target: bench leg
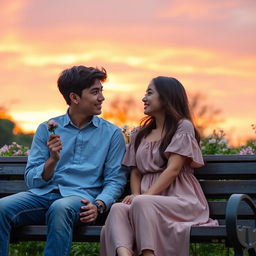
x=252, y=252
x=238, y=252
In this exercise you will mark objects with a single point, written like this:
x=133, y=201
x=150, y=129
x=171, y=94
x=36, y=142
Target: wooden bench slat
x=241, y=222
x=216, y=232
x=11, y=187
x=210, y=188
x=229, y=158
x=218, y=210
x=39, y=232
x=14, y=159
x=12, y=169
x=226, y=171
x=92, y=233
x=226, y=187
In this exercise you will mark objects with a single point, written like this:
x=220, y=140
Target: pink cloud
x=208, y=45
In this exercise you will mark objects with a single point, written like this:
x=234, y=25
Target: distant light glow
x=134, y=45
x=29, y=121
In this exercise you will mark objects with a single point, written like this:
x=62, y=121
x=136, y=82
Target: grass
x=92, y=249
x=36, y=249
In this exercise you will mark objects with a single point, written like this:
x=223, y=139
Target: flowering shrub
x=216, y=144
x=127, y=132
x=247, y=150
x=14, y=150
x=250, y=147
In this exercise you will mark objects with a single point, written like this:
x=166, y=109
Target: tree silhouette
x=7, y=128
x=205, y=116
x=6, y=131
x=122, y=111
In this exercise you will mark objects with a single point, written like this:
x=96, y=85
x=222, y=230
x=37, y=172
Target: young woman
x=166, y=198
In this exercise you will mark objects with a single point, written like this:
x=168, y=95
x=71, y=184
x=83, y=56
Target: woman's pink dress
x=160, y=222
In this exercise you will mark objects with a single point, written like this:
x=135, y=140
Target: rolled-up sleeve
x=38, y=155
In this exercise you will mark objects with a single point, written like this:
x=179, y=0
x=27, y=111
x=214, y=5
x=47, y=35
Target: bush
x=249, y=148
x=27, y=249
x=37, y=248
x=14, y=150
x=216, y=144
x=210, y=250
x=85, y=249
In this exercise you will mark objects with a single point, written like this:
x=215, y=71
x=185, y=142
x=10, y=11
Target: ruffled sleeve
x=130, y=156
x=184, y=143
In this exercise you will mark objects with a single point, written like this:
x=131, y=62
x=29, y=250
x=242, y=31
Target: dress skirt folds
x=159, y=222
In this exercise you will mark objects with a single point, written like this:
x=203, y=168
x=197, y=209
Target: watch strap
x=100, y=207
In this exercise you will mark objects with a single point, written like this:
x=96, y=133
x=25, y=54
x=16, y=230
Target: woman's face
x=152, y=103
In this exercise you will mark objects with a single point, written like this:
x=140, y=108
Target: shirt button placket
x=78, y=147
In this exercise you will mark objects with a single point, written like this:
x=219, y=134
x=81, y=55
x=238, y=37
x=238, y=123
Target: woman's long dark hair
x=175, y=101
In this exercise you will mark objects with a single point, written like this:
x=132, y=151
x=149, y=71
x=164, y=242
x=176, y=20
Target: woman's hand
x=128, y=199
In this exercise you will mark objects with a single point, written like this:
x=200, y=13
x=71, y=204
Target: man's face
x=90, y=102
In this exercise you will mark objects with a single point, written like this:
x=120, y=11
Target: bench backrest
x=12, y=175
x=224, y=175
x=221, y=176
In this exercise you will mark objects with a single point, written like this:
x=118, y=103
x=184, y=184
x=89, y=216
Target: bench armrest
x=241, y=237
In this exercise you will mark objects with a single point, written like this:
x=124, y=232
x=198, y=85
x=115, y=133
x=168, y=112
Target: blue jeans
x=59, y=213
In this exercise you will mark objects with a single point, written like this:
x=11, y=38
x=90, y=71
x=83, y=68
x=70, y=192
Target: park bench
x=229, y=184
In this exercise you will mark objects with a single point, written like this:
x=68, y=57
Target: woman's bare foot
x=122, y=251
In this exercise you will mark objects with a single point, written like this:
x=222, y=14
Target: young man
x=72, y=175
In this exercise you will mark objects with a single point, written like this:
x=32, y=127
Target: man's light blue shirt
x=90, y=161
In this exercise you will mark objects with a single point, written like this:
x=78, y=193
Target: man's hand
x=89, y=212
x=54, y=144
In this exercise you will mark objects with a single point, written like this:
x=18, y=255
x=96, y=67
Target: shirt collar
x=66, y=120
x=95, y=120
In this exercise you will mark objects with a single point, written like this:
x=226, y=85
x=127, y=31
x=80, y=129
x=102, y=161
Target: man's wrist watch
x=101, y=208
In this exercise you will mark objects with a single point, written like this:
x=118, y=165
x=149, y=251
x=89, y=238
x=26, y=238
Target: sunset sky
x=209, y=45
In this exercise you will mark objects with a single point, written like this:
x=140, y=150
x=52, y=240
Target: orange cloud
x=208, y=45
